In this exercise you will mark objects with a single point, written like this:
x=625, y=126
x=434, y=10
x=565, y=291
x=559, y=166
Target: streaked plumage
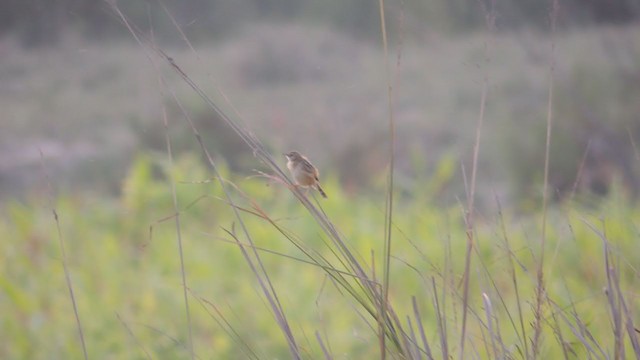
x=303, y=172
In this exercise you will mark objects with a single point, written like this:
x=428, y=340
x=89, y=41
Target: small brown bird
x=303, y=172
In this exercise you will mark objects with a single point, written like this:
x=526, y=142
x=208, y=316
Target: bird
x=303, y=172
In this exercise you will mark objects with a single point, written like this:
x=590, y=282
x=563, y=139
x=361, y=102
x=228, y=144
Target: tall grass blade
x=423, y=337
x=469, y=213
x=587, y=342
x=225, y=325
x=325, y=352
x=441, y=322
x=174, y=198
x=540, y=288
x=492, y=332
x=135, y=339
x=522, y=335
x=557, y=330
x=389, y=197
x=63, y=253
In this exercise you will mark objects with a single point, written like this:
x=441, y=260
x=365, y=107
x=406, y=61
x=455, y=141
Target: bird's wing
x=308, y=168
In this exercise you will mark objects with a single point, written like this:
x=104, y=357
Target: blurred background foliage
x=300, y=72
x=44, y=21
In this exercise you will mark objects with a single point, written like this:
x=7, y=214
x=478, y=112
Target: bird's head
x=293, y=155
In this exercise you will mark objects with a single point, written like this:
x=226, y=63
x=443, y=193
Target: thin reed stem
x=389, y=198
x=469, y=214
x=540, y=288
x=63, y=253
x=174, y=198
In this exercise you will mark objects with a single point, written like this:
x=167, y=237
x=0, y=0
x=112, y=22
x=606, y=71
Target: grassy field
x=268, y=273
x=127, y=279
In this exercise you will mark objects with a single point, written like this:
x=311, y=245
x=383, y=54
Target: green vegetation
x=128, y=285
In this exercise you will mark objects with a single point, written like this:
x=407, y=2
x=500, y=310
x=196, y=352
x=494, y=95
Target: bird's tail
x=321, y=191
